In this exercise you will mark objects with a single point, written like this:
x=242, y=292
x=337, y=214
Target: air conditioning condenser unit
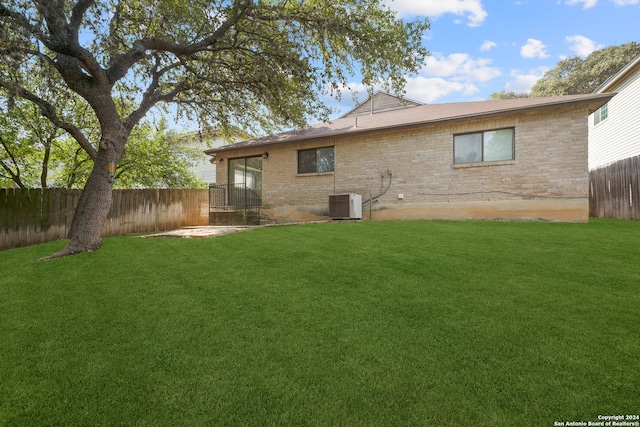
x=345, y=206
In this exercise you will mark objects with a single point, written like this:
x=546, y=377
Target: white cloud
x=420, y=88
x=460, y=67
x=487, y=46
x=534, y=49
x=472, y=9
x=582, y=45
x=427, y=90
x=586, y=4
x=523, y=81
x=626, y=2
x=440, y=76
x=445, y=75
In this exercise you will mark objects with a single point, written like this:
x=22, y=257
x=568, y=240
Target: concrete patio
x=199, y=232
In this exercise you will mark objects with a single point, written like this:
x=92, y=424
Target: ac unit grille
x=345, y=206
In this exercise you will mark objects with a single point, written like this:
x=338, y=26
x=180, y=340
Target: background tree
x=560, y=80
x=25, y=149
x=32, y=146
x=244, y=63
x=503, y=94
x=36, y=153
x=575, y=75
x=155, y=158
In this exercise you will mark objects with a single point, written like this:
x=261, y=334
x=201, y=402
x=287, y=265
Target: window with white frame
x=601, y=114
x=488, y=146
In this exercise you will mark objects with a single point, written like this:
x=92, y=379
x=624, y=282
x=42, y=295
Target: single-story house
x=515, y=159
x=614, y=129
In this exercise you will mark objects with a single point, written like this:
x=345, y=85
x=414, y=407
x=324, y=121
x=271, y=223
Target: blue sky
x=479, y=47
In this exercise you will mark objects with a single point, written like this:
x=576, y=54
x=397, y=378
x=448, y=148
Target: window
x=316, y=160
x=601, y=114
x=488, y=146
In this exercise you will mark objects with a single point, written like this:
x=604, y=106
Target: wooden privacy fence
x=34, y=216
x=614, y=190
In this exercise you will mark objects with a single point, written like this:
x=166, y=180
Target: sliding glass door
x=245, y=181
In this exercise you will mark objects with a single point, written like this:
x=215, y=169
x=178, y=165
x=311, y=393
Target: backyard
x=432, y=323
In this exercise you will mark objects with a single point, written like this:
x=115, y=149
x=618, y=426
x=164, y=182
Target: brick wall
x=548, y=179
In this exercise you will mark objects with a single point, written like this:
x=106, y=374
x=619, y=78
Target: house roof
x=632, y=67
x=419, y=116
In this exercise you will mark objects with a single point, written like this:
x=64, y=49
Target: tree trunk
x=45, y=164
x=92, y=210
x=93, y=206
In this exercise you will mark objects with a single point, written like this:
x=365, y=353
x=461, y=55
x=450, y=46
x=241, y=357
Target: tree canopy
x=503, y=94
x=26, y=139
x=575, y=75
x=35, y=153
x=250, y=64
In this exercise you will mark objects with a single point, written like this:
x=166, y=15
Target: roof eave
x=598, y=99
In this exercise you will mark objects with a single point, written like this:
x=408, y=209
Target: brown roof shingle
x=419, y=116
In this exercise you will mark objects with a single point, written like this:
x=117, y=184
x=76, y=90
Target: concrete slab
x=200, y=232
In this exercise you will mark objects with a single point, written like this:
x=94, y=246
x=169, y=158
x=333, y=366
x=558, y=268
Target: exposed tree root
x=68, y=250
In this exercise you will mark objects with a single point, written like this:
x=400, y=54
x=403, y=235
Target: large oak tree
x=253, y=64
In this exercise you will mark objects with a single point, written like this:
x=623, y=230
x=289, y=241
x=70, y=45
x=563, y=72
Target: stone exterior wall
x=548, y=180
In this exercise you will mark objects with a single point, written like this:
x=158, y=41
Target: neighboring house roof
x=380, y=102
x=419, y=116
x=618, y=78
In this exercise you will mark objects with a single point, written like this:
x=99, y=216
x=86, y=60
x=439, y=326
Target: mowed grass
x=338, y=324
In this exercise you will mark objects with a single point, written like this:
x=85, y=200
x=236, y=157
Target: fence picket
x=615, y=190
x=44, y=215
x=34, y=212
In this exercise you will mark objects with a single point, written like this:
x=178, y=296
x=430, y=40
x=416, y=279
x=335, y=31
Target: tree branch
x=21, y=21
x=77, y=14
x=64, y=40
x=15, y=176
x=149, y=99
x=48, y=111
x=45, y=162
x=120, y=65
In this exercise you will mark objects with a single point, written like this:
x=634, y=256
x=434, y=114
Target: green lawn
x=338, y=324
